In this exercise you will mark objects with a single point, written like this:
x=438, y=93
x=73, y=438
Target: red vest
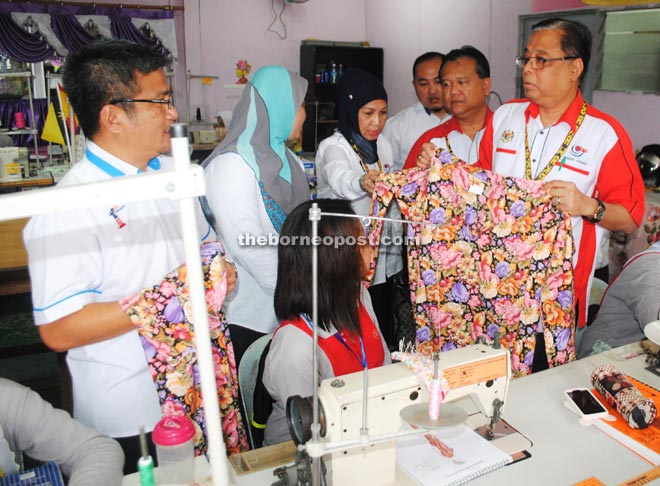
x=346, y=356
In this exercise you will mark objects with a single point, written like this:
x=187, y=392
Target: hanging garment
x=163, y=315
x=492, y=255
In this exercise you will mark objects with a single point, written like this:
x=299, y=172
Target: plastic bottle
x=173, y=437
x=340, y=71
x=326, y=75
x=333, y=73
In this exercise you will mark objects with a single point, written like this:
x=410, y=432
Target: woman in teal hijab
x=252, y=182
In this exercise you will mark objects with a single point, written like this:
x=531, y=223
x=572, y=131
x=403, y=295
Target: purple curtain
x=123, y=28
x=70, y=31
x=21, y=45
x=144, y=12
x=9, y=107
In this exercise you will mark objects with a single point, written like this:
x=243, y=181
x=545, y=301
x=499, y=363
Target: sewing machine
x=478, y=371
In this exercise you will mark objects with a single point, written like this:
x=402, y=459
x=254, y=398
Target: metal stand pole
x=216, y=445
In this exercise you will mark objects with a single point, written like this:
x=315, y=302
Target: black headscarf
x=355, y=89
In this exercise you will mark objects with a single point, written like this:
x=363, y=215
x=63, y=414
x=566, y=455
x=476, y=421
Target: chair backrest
x=598, y=288
x=247, y=378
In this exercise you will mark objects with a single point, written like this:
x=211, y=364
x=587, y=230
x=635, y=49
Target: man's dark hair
x=340, y=267
x=482, y=66
x=102, y=71
x=427, y=56
x=575, y=38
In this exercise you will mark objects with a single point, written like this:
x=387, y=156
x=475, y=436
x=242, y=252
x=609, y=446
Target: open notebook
x=473, y=457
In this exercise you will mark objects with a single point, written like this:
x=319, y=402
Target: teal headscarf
x=261, y=123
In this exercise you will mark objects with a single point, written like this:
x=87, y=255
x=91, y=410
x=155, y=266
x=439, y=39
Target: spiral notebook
x=473, y=456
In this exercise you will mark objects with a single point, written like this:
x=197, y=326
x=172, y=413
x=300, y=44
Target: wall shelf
x=201, y=78
x=315, y=58
x=32, y=122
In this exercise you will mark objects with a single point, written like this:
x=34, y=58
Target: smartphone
x=583, y=402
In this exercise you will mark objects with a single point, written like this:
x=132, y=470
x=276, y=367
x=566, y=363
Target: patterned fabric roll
x=634, y=407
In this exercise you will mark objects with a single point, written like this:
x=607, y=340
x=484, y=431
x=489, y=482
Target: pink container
x=173, y=437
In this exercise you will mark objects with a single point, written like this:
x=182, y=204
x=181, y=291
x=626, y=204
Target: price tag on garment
x=476, y=189
x=644, y=478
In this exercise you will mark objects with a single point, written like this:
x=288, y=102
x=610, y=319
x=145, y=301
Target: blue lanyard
x=111, y=170
x=362, y=361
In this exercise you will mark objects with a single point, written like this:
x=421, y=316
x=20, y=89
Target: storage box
x=204, y=136
x=12, y=161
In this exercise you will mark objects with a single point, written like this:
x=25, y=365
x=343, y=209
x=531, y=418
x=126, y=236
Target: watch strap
x=598, y=214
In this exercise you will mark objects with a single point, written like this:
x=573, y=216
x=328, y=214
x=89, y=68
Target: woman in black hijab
x=347, y=166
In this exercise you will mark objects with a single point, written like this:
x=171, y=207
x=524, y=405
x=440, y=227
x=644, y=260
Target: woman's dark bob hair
x=340, y=266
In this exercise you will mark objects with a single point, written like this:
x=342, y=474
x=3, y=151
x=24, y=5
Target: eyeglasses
x=165, y=101
x=538, y=62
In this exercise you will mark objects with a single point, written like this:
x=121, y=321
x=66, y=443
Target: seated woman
x=349, y=336
x=348, y=164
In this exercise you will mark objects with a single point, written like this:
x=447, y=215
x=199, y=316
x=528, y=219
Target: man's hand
x=567, y=197
x=426, y=155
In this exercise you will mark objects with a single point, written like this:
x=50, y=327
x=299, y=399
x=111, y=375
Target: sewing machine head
x=478, y=371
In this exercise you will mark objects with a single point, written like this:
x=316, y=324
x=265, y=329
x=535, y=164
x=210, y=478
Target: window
x=631, y=51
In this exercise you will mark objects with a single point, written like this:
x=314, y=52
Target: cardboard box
x=204, y=136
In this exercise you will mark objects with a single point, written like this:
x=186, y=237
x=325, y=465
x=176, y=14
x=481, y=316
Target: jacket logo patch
x=507, y=136
x=578, y=150
x=114, y=212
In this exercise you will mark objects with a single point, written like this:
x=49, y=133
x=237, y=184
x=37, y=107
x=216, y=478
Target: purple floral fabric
x=492, y=254
x=163, y=317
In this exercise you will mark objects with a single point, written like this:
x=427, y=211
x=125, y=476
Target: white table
x=564, y=452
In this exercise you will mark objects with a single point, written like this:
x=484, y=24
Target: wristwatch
x=598, y=213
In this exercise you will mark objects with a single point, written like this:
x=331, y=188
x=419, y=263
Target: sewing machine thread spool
x=19, y=120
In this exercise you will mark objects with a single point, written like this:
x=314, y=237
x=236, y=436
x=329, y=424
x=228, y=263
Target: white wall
x=407, y=29
x=638, y=113
x=216, y=33
x=219, y=32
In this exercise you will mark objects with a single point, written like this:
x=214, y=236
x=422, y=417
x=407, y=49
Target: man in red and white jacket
x=465, y=79
x=584, y=155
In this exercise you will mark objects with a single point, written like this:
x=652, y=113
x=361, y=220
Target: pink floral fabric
x=162, y=315
x=492, y=255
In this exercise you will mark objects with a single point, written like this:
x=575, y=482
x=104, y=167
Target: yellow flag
x=52, y=132
x=57, y=124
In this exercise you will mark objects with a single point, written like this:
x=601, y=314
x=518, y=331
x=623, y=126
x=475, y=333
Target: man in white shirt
x=404, y=128
x=84, y=262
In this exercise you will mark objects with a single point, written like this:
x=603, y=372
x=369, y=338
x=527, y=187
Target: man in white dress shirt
x=404, y=128
x=83, y=262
